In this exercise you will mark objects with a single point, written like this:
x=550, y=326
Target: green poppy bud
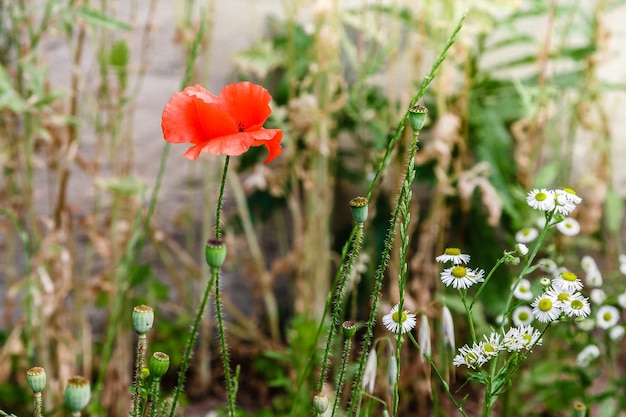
x=320, y=403
x=359, y=209
x=215, y=252
x=143, y=319
x=159, y=364
x=36, y=378
x=77, y=393
x=417, y=117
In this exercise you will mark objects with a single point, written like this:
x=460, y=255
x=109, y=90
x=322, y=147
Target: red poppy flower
x=228, y=124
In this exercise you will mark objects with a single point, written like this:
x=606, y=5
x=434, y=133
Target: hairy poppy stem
x=220, y=200
x=222, y=338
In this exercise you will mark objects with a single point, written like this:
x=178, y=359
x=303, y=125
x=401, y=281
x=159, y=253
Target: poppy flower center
x=545, y=305
x=240, y=127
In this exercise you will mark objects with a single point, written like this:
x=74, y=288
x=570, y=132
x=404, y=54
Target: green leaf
x=613, y=211
x=119, y=54
x=9, y=97
x=100, y=19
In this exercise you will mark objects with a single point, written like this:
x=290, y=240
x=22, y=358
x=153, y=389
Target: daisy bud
x=448, y=328
x=616, y=333
x=349, y=329
x=358, y=205
x=369, y=376
x=145, y=373
x=159, y=364
x=36, y=378
x=597, y=296
x=417, y=117
x=521, y=249
x=424, y=338
x=545, y=283
x=320, y=403
x=215, y=252
x=143, y=319
x=77, y=393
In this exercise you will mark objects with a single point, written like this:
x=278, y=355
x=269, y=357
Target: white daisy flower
x=588, y=263
x=458, y=277
x=548, y=265
x=545, y=308
x=541, y=222
x=594, y=277
x=369, y=376
x=491, y=346
x=522, y=291
x=479, y=275
x=397, y=321
x=598, y=296
x=569, y=227
x=522, y=316
x=470, y=357
x=563, y=204
x=512, y=341
x=541, y=199
x=453, y=255
x=560, y=294
x=570, y=195
x=576, y=306
x=526, y=235
x=568, y=281
x=521, y=249
x=621, y=300
x=448, y=327
x=607, y=317
x=616, y=333
x=588, y=354
x=529, y=336
x=586, y=325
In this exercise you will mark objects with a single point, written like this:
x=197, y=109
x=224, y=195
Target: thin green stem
x=339, y=301
x=142, y=342
x=484, y=283
x=155, y=395
x=191, y=340
x=220, y=200
x=468, y=311
x=342, y=373
x=443, y=382
x=223, y=346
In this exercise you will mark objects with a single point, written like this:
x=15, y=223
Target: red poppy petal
x=193, y=152
x=273, y=145
x=179, y=120
x=201, y=93
x=247, y=104
x=214, y=122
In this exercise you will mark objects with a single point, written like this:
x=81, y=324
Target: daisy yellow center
x=540, y=196
x=471, y=357
x=569, y=191
x=398, y=317
x=563, y=296
x=526, y=338
x=459, y=272
x=569, y=276
x=569, y=225
x=606, y=316
x=523, y=316
x=526, y=232
x=545, y=305
x=452, y=251
x=489, y=348
x=577, y=305
x=522, y=289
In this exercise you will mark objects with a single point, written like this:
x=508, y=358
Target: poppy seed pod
x=349, y=328
x=359, y=209
x=215, y=252
x=417, y=117
x=320, y=403
x=143, y=319
x=159, y=364
x=36, y=378
x=77, y=393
